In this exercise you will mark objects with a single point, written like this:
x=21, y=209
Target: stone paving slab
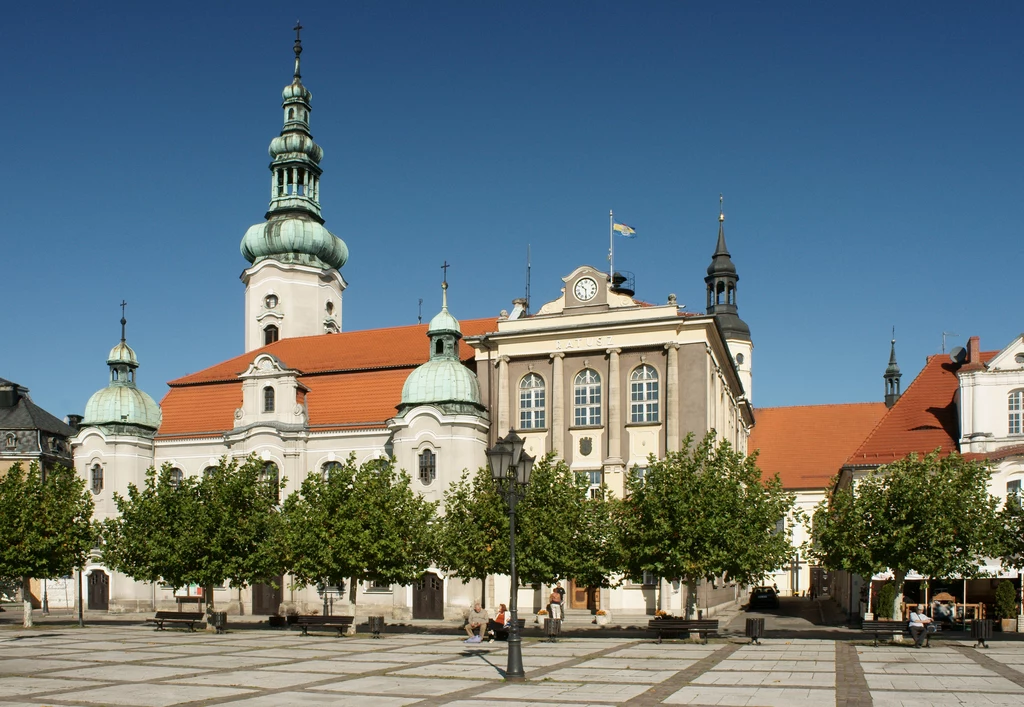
x=154, y=695
x=766, y=679
x=454, y=670
x=529, y=660
x=570, y=692
x=637, y=664
x=408, y=686
x=806, y=666
x=123, y=656
x=752, y=696
x=263, y=679
x=218, y=661
x=599, y=675
x=938, y=699
x=927, y=669
x=941, y=683
x=124, y=673
x=307, y=699
x=333, y=666
x=18, y=686
x=28, y=666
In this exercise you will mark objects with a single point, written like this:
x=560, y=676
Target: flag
x=623, y=229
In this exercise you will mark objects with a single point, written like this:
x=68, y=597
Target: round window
x=270, y=301
x=1019, y=358
x=739, y=359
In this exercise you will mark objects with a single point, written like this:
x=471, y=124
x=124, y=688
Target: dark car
x=764, y=598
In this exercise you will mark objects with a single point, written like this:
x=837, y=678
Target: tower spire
x=892, y=375
x=297, y=49
x=444, y=287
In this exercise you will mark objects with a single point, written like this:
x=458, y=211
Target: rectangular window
x=595, y=484
x=649, y=579
x=1013, y=489
x=1014, y=404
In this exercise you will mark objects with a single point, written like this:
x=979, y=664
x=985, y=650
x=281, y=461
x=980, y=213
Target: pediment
x=267, y=365
x=1011, y=358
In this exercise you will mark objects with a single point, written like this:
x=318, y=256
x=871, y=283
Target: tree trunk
x=26, y=602
x=899, y=577
x=691, y=598
x=208, y=591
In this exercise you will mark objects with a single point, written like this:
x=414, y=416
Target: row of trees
x=700, y=513
x=930, y=514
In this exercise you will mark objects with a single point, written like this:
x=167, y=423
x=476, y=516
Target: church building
x=596, y=376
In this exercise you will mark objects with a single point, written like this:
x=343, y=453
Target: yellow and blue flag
x=623, y=229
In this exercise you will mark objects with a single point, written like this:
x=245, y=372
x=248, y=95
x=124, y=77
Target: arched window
x=587, y=398
x=10, y=441
x=329, y=467
x=270, y=334
x=643, y=394
x=270, y=473
x=291, y=113
x=428, y=466
x=113, y=374
x=97, y=478
x=209, y=471
x=1014, y=402
x=439, y=347
x=176, y=477
x=268, y=399
x=531, y=402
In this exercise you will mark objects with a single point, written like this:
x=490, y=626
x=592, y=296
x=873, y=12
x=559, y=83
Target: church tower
x=892, y=375
x=721, y=302
x=294, y=286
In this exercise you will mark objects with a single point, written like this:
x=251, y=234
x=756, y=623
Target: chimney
x=972, y=362
x=74, y=421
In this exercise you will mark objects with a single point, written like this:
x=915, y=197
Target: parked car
x=764, y=598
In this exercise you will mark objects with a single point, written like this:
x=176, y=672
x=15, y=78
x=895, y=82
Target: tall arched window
x=428, y=466
x=643, y=394
x=587, y=398
x=97, y=478
x=531, y=402
x=1014, y=403
x=329, y=468
x=268, y=399
x=176, y=477
x=270, y=334
x=270, y=473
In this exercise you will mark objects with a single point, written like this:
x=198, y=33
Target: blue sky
x=870, y=157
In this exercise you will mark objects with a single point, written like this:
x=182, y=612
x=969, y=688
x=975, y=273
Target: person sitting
x=497, y=628
x=476, y=624
x=918, y=627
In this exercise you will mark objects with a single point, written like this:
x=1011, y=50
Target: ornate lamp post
x=510, y=469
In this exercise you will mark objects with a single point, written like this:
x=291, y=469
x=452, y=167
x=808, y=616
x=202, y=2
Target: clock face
x=585, y=289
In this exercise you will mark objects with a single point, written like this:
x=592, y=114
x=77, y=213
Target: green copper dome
x=122, y=353
x=121, y=407
x=294, y=240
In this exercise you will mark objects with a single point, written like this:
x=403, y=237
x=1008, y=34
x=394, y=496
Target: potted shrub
x=1006, y=605
x=601, y=617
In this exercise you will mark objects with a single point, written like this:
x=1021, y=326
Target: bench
x=702, y=627
x=176, y=617
x=341, y=623
x=878, y=628
x=502, y=634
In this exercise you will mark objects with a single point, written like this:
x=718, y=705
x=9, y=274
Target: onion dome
x=443, y=381
x=294, y=230
x=121, y=407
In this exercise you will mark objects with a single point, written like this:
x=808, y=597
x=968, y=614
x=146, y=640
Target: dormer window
x=268, y=399
x=10, y=441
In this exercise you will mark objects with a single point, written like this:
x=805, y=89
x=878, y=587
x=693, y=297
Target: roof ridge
x=816, y=405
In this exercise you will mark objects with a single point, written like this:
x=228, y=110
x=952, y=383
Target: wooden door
x=266, y=600
x=584, y=597
x=428, y=597
x=99, y=591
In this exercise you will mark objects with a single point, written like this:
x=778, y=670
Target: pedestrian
x=561, y=593
x=919, y=626
x=476, y=624
x=498, y=626
x=555, y=604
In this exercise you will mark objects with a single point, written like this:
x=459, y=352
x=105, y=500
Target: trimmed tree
x=1011, y=521
x=223, y=527
x=46, y=527
x=362, y=523
x=932, y=514
x=704, y=512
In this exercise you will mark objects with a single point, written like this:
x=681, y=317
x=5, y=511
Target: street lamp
x=510, y=469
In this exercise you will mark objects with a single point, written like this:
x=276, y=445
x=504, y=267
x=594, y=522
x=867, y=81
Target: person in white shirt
x=919, y=626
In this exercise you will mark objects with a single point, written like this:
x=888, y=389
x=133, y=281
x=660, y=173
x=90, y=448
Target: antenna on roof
x=944, y=335
x=527, y=310
x=419, y=312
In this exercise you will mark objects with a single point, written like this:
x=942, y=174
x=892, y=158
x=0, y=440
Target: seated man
x=497, y=628
x=476, y=624
x=918, y=627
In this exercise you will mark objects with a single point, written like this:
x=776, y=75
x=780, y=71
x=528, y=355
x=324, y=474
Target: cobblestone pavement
x=264, y=668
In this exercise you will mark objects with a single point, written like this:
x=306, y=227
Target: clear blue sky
x=870, y=156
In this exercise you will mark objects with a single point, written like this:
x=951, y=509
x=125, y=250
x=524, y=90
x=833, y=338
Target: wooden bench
x=702, y=627
x=341, y=623
x=502, y=634
x=878, y=628
x=176, y=617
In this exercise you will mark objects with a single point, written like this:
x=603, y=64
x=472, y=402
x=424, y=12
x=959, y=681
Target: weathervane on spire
x=444, y=285
x=298, y=47
x=123, y=320
x=721, y=207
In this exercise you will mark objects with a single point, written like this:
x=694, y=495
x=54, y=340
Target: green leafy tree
x=365, y=523
x=1011, y=522
x=46, y=527
x=223, y=527
x=472, y=536
x=932, y=514
x=704, y=512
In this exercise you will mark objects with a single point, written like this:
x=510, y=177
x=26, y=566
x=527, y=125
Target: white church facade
x=596, y=376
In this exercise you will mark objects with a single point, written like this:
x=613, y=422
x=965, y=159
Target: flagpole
x=611, y=247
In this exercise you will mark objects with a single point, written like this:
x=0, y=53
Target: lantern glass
x=499, y=457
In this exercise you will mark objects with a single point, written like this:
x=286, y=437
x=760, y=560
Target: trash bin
x=376, y=625
x=219, y=620
x=754, y=630
x=552, y=628
x=981, y=631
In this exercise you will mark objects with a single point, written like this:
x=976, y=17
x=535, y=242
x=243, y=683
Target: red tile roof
x=807, y=444
x=923, y=419
x=354, y=379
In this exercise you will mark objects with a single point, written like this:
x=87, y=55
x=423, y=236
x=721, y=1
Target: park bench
x=341, y=623
x=879, y=628
x=702, y=627
x=176, y=617
x=502, y=634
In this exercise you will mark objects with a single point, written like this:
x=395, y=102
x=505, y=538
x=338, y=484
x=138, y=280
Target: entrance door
x=99, y=591
x=428, y=597
x=584, y=597
x=266, y=600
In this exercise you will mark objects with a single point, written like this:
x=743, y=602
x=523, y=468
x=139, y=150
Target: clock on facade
x=585, y=289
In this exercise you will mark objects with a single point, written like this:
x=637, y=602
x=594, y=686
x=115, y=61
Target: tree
x=704, y=512
x=560, y=531
x=365, y=523
x=932, y=514
x=1011, y=521
x=224, y=527
x=46, y=527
